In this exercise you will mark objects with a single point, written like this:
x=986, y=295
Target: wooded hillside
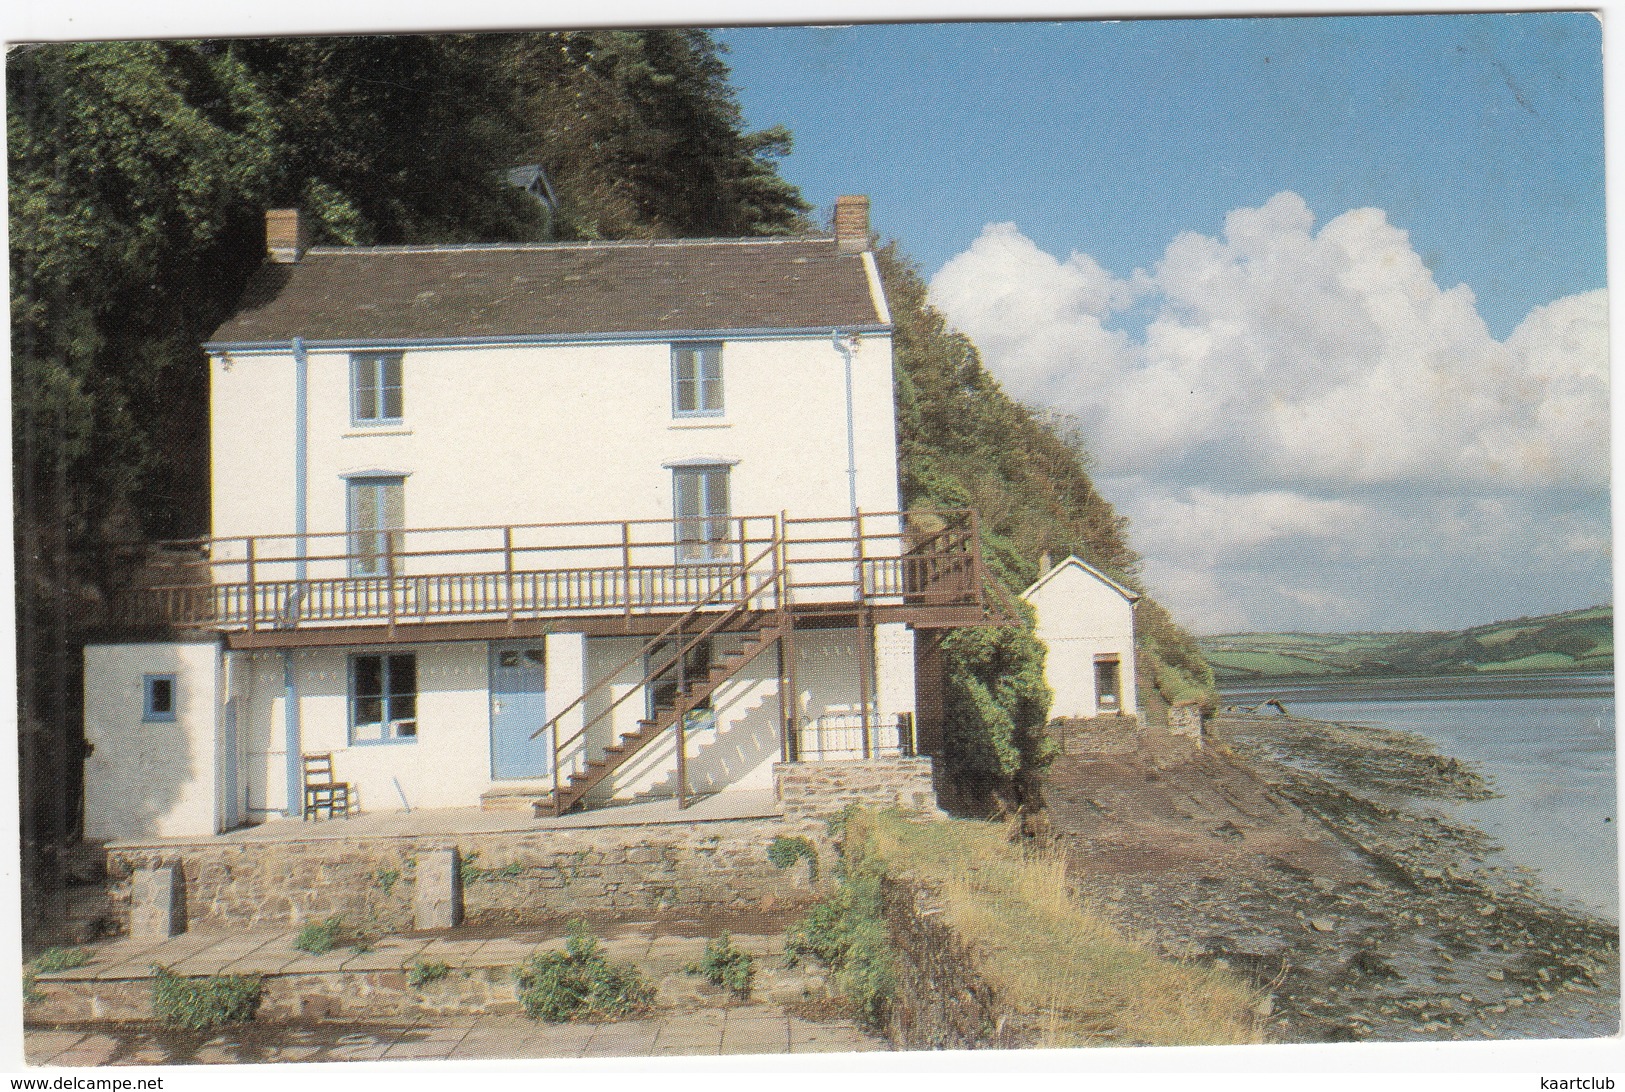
x=140, y=172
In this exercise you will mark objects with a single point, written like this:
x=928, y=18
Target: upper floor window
x=377, y=518
x=700, y=500
x=375, y=388
x=696, y=380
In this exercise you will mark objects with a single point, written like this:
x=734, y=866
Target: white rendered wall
x=1080, y=617
x=541, y=434
x=447, y=765
x=147, y=779
x=738, y=754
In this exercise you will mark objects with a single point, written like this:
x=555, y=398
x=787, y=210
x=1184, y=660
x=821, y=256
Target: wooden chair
x=322, y=793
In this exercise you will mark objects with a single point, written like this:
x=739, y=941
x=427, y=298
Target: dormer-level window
x=375, y=388
x=696, y=380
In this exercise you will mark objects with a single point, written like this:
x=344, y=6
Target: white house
x=1086, y=621
x=532, y=525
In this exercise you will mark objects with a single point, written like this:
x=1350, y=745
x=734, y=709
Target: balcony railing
x=541, y=570
x=847, y=737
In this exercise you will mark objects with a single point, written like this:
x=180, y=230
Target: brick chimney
x=851, y=225
x=287, y=235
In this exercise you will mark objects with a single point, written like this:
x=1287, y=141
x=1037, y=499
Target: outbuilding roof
x=460, y=293
x=1075, y=562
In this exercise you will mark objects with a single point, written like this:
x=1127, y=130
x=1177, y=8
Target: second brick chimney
x=851, y=224
x=286, y=236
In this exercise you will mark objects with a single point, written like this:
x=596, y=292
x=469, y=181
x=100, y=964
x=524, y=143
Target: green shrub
x=387, y=878
x=319, y=937
x=60, y=959
x=847, y=933
x=197, y=1003
x=579, y=983
x=725, y=965
x=422, y=973
x=783, y=852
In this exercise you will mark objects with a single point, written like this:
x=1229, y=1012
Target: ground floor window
x=1108, y=683
x=384, y=698
x=158, y=697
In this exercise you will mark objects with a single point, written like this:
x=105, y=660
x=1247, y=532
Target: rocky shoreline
x=1296, y=852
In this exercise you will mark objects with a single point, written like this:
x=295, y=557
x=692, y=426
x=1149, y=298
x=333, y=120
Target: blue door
x=518, y=709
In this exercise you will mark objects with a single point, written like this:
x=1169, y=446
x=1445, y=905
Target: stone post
x=157, y=903
x=437, y=898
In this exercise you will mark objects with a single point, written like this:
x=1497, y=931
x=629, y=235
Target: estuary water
x=1546, y=743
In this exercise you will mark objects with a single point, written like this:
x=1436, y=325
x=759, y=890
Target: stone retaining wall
x=529, y=877
x=818, y=790
x=941, y=1003
x=1110, y=735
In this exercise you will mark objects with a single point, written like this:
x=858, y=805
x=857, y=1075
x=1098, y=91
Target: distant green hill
x=1580, y=640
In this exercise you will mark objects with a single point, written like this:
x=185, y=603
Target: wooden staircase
x=664, y=718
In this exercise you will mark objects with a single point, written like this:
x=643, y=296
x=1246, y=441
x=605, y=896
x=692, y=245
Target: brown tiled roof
x=408, y=293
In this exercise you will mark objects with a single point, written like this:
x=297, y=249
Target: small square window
x=158, y=697
x=375, y=389
x=696, y=380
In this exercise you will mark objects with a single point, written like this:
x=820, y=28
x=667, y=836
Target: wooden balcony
x=272, y=589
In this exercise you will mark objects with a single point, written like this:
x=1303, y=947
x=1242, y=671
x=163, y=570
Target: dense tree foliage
x=140, y=173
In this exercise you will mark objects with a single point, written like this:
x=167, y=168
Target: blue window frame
x=377, y=516
x=375, y=389
x=158, y=697
x=384, y=698
x=700, y=504
x=696, y=380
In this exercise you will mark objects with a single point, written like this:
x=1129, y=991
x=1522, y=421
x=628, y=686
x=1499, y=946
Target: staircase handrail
x=653, y=642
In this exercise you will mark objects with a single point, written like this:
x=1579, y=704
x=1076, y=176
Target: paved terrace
x=430, y=821
x=690, y=1016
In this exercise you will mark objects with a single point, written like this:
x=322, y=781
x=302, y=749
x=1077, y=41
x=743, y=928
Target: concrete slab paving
x=624, y=1039
x=42, y=1046
x=392, y=957
x=756, y=1037
x=91, y=1050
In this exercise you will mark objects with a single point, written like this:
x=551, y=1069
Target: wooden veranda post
x=253, y=591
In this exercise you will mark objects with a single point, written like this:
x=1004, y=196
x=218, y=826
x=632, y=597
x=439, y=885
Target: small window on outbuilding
x=158, y=697
x=1108, y=683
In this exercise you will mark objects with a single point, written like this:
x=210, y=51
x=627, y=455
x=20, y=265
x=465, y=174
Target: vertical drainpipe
x=293, y=765
x=843, y=345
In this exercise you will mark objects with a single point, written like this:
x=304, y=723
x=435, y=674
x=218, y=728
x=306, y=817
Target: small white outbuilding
x=1086, y=620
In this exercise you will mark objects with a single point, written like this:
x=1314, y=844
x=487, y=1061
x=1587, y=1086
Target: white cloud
x=1282, y=354
x=1308, y=431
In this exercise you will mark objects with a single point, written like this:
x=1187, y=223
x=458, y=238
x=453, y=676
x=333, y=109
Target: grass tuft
x=197, y=1003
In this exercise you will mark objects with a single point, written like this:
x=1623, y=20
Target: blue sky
x=1480, y=135
x=1326, y=295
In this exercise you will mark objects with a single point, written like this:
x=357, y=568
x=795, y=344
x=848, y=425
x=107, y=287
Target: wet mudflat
x=1294, y=851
